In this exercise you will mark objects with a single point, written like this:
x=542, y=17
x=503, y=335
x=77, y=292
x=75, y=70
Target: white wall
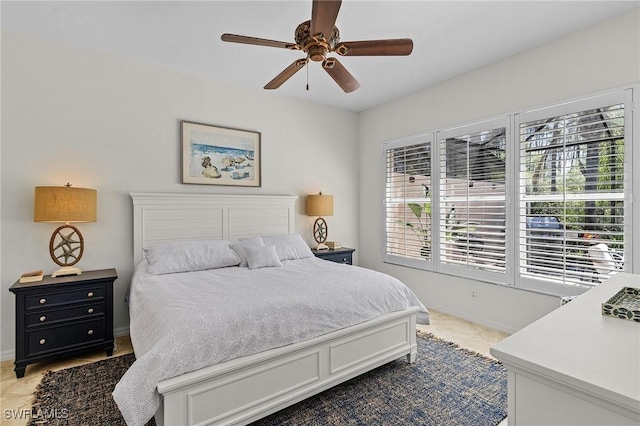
x=601, y=57
x=113, y=123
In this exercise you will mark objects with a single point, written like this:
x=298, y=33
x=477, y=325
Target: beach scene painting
x=214, y=155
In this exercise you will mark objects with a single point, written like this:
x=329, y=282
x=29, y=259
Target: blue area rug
x=447, y=385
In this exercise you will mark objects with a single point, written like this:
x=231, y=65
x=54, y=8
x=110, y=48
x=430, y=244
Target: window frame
x=458, y=270
x=593, y=102
x=512, y=121
x=427, y=264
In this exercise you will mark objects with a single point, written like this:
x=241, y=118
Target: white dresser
x=575, y=366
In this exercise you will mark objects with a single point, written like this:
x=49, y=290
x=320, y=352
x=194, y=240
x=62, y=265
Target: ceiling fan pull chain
x=307, y=79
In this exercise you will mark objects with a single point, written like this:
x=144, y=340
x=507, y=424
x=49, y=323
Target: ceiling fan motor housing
x=317, y=46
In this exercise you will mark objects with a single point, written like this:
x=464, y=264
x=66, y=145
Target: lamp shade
x=64, y=204
x=320, y=205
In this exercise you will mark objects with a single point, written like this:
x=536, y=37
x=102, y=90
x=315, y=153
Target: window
x=571, y=195
x=472, y=199
x=544, y=207
x=408, y=211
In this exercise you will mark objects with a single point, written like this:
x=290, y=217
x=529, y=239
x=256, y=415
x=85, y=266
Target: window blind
x=408, y=201
x=473, y=199
x=571, y=186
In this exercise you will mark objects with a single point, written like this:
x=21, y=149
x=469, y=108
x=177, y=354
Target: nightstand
x=63, y=316
x=341, y=255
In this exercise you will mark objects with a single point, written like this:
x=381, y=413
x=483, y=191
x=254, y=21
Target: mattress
x=183, y=322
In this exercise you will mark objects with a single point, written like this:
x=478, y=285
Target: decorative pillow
x=240, y=248
x=185, y=256
x=288, y=246
x=262, y=257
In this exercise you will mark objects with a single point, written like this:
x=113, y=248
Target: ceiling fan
x=320, y=37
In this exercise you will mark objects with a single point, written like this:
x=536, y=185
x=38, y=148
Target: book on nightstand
x=33, y=276
x=333, y=245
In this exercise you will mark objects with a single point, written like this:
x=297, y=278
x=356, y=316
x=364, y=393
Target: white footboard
x=246, y=389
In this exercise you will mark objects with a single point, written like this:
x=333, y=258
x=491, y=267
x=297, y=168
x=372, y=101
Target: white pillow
x=262, y=257
x=185, y=256
x=240, y=248
x=288, y=246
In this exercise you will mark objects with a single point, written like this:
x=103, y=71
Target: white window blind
x=571, y=190
x=408, y=215
x=472, y=199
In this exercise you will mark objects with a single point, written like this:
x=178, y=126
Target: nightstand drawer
x=341, y=255
x=339, y=258
x=85, y=294
x=53, y=338
x=46, y=317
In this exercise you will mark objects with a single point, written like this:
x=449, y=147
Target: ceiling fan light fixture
x=317, y=53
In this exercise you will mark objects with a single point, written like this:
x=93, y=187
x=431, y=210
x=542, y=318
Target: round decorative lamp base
x=320, y=233
x=66, y=248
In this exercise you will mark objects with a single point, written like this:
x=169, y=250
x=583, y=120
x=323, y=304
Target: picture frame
x=216, y=155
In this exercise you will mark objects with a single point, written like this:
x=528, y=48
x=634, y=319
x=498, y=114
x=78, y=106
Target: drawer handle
x=90, y=332
x=90, y=294
x=43, y=318
x=43, y=301
x=90, y=310
x=43, y=341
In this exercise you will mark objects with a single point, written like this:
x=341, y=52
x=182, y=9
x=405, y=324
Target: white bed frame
x=246, y=389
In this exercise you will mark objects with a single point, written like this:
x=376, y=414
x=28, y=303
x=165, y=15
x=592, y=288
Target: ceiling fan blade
x=323, y=17
x=286, y=74
x=233, y=38
x=391, y=47
x=340, y=74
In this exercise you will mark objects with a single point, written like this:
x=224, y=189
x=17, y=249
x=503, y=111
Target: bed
x=187, y=374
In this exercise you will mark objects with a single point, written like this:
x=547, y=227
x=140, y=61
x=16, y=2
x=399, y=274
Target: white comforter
x=187, y=321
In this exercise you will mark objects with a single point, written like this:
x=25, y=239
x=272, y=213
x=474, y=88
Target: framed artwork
x=214, y=155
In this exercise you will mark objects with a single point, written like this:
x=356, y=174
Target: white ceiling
x=450, y=37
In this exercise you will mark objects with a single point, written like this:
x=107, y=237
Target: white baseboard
x=8, y=355
x=122, y=331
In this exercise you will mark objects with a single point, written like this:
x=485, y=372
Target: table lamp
x=320, y=205
x=65, y=204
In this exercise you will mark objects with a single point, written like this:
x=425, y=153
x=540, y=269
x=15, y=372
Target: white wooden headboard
x=161, y=217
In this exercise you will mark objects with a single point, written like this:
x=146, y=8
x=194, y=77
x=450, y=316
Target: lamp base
x=66, y=270
x=322, y=246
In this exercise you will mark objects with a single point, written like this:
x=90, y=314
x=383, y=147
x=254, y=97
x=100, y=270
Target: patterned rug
x=447, y=385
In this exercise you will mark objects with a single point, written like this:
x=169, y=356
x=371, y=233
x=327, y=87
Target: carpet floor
x=447, y=385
